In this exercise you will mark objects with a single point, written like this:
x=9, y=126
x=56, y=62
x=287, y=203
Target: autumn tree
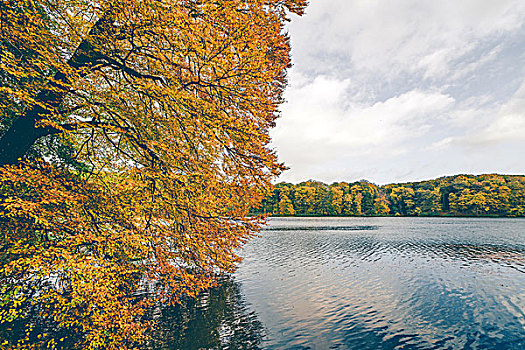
x=381, y=204
x=357, y=198
x=286, y=206
x=336, y=200
x=133, y=142
x=429, y=200
x=303, y=199
x=482, y=195
x=402, y=199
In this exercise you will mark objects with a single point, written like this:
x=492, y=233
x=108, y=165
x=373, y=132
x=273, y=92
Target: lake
x=365, y=283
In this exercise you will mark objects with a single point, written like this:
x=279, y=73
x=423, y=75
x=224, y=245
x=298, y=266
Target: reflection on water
x=357, y=283
x=218, y=319
x=364, y=283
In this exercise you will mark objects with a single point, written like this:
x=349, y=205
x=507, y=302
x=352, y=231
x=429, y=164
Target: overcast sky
x=399, y=90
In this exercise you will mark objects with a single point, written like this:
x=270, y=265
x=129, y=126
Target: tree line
x=459, y=195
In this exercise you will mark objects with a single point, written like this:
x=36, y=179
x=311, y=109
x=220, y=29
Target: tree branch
x=23, y=133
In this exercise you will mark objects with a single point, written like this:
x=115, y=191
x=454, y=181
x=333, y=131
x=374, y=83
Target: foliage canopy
x=134, y=141
x=460, y=195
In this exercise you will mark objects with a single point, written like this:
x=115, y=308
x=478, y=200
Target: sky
x=398, y=90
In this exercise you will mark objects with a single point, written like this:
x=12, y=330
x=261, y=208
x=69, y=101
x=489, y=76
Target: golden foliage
x=152, y=117
x=460, y=195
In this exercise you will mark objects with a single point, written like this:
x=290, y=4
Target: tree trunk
x=23, y=133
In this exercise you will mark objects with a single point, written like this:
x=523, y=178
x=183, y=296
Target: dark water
x=366, y=283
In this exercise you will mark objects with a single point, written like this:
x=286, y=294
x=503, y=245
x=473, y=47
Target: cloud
x=441, y=144
x=392, y=90
x=395, y=37
x=508, y=123
x=324, y=123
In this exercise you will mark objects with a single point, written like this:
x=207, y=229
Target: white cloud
x=393, y=37
x=508, y=124
x=389, y=90
x=323, y=123
x=441, y=144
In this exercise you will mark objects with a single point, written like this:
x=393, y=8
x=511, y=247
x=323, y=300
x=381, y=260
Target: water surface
x=376, y=283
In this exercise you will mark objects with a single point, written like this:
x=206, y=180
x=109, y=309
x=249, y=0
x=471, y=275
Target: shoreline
x=393, y=216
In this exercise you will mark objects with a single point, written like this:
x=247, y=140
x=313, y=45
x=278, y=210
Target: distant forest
x=460, y=195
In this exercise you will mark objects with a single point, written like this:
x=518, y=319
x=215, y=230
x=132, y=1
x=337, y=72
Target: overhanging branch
x=23, y=133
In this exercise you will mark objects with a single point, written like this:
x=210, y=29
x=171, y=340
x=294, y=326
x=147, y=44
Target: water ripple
x=383, y=283
x=321, y=228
